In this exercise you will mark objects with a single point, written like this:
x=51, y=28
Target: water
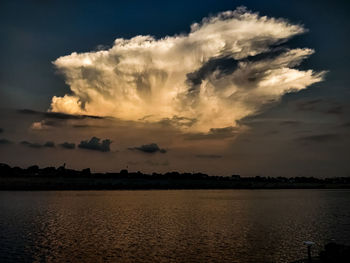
x=170, y=226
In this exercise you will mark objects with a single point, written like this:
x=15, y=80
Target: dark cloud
x=224, y=65
x=67, y=145
x=290, y=122
x=336, y=109
x=346, y=124
x=50, y=123
x=308, y=105
x=58, y=115
x=209, y=156
x=83, y=126
x=152, y=163
x=271, y=132
x=5, y=141
x=31, y=144
x=28, y=111
x=95, y=144
x=49, y=144
x=1, y=130
x=214, y=133
x=327, y=106
x=178, y=121
x=149, y=148
x=320, y=138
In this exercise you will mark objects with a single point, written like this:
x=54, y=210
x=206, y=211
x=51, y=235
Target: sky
x=256, y=88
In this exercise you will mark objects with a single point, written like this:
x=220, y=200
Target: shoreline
x=34, y=178
x=30, y=183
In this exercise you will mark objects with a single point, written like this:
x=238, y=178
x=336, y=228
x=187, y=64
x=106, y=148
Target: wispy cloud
x=68, y=145
x=320, y=138
x=4, y=141
x=149, y=148
x=209, y=156
x=58, y=115
x=48, y=144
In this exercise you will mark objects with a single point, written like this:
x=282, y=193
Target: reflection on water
x=169, y=226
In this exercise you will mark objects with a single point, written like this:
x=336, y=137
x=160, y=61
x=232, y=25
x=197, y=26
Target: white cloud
x=143, y=76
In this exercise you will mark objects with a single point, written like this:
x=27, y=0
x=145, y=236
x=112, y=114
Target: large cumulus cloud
x=226, y=68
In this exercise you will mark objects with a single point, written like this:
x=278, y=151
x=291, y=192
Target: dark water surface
x=170, y=226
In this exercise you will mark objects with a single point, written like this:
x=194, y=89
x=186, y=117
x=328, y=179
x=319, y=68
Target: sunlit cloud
x=226, y=68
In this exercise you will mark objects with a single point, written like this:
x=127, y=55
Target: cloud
x=31, y=144
x=48, y=144
x=326, y=106
x=56, y=119
x=153, y=163
x=346, y=124
x=209, y=156
x=308, y=105
x=335, y=109
x=149, y=148
x=59, y=115
x=95, y=144
x=5, y=141
x=68, y=145
x=43, y=125
x=226, y=68
x=320, y=138
x=290, y=122
x=1, y=130
x=215, y=134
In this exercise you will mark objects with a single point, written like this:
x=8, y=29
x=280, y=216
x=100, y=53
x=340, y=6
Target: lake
x=170, y=226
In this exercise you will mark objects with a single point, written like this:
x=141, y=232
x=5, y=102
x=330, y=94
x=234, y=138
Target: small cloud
x=149, y=148
x=83, y=126
x=346, y=124
x=58, y=115
x=152, y=163
x=290, y=122
x=5, y=141
x=49, y=144
x=336, y=109
x=31, y=144
x=326, y=106
x=28, y=111
x=42, y=125
x=308, y=105
x=67, y=145
x=320, y=138
x=209, y=156
x=95, y=144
